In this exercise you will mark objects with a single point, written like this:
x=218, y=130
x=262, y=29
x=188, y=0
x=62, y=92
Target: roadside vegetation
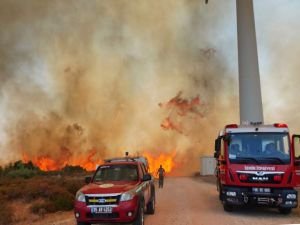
x=46, y=192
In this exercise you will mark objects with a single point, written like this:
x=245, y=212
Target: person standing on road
x=161, y=174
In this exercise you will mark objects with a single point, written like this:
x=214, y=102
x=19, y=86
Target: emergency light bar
x=231, y=126
x=280, y=125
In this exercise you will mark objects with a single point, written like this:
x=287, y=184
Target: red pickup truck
x=120, y=191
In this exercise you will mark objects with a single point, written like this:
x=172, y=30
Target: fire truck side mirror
x=217, y=147
x=216, y=155
x=296, y=147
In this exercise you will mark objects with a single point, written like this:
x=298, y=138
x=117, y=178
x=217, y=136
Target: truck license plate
x=105, y=209
x=261, y=190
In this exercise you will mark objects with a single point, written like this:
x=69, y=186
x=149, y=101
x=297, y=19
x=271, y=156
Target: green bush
x=23, y=172
x=59, y=201
x=72, y=186
x=48, y=193
x=63, y=201
x=68, y=169
x=43, y=207
x=20, y=169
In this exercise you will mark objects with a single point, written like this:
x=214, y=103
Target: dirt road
x=194, y=201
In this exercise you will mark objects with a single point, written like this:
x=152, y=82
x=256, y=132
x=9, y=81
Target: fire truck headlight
x=231, y=193
x=291, y=196
x=80, y=196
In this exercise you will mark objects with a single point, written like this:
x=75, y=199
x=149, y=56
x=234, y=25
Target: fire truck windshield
x=259, y=148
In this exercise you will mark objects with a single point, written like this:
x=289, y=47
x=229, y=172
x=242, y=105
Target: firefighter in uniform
x=161, y=174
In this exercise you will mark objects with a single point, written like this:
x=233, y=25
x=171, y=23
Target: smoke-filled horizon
x=77, y=77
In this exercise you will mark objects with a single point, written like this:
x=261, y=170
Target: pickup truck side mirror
x=147, y=177
x=88, y=179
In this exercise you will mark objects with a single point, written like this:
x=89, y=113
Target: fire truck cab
x=258, y=164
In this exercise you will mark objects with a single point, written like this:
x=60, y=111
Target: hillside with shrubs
x=44, y=192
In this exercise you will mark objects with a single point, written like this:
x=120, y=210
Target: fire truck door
x=296, y=147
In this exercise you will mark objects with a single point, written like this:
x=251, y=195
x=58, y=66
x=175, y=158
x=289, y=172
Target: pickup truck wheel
x=151, y=206
x=285, y=211
x=140, y=216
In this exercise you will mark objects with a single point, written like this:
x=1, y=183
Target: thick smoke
x=278, y=38
x=78, y=76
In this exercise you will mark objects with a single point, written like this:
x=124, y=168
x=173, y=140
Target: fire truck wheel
x=220, y=193
x=80, y=223
x=140, y=216
x=227, y=207
x=285, y=211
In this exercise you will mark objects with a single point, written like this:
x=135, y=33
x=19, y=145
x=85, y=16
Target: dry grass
x=6, y=213
x=32, y=199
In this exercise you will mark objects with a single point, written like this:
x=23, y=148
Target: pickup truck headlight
x=80, y=196
x=126, y=196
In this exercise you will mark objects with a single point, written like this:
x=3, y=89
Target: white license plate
x=261, y=190
x=104, y=209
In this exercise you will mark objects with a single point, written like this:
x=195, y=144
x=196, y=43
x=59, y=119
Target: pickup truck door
x=146, y=185
x=148, y=191
x=296, y=147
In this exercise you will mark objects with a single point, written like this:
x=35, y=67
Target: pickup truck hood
x=108, y=187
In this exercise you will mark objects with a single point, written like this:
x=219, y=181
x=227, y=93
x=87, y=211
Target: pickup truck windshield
x=116, y=173
x=259, y=148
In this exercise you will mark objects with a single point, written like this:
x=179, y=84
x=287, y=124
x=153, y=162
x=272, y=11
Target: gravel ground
x=194, y=201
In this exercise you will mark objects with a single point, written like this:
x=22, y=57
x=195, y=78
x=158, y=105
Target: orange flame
x=89, y=161
x=164, y=159
x=47, y=163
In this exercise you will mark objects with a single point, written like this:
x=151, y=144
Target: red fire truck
x=258, y=164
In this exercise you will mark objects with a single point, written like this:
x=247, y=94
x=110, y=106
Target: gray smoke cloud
x=278, y=45
x=82, y=76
